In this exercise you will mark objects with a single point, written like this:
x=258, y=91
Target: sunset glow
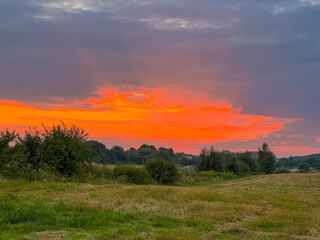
x=160, y=115
x=180, y=74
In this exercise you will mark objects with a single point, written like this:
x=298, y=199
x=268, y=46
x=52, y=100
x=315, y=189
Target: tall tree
x=266, y=159
x=100, y=152
x=119, y=153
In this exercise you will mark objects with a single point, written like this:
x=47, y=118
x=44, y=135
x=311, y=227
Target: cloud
x=70, y=5
x=159, y=115
x=312, y=2
x=186, y=24
x=266, y=63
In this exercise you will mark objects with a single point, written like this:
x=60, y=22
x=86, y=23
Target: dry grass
x=283, y=206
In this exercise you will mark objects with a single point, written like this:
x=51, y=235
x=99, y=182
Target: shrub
x=133, y=174
x=304, y=168
x=162, y=171
x=65, y=149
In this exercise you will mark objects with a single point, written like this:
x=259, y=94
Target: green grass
x=282, y=206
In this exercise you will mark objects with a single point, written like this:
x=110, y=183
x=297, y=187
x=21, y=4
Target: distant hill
x=299, y=158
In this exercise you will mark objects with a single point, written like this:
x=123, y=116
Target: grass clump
x=214, y=174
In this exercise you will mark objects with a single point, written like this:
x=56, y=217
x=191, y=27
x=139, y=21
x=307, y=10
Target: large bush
x=133, y=174
x=65, y=149
x=162, y=171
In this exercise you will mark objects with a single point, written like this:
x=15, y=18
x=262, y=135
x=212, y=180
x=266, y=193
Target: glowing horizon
x=159, y=115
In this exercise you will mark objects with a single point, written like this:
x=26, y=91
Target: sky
x=185, y=74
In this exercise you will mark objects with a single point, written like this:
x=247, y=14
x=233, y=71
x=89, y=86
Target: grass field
x=282, y=206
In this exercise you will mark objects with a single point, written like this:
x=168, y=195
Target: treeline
x=139, y=156
x=57, y=150
x=61, y=152
x=237, y=163
x=302, y=163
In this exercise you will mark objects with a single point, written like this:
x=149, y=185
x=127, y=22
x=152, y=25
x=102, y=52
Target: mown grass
x=282, y=206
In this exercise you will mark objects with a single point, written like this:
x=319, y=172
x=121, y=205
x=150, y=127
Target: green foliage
x=238, y=163
x=99, y=150
x=244, y=168
x=100, y=171
x=210, y=159
x=118, y=155
x=147, y=152
x=133, y=174
x=162, y=171
x=13, y=161
x=249, y=160
x=212, y=173
x=304, y=167
x=232, y=163
x=295, y=162
x=266, y=159
x=167, y=153
x=133, y=156
x=186, y=159
x=281, y=170
x=31, y=144
x=65, y=149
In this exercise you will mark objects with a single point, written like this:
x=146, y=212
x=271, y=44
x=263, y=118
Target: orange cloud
x=160, y=115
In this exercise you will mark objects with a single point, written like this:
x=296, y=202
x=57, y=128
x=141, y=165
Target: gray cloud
x=263, y=55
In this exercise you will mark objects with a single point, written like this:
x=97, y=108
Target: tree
x=210, y=159
x=167, y=153
x=249, y=160
x=133, y=156
x=65, y=149
x=13, y=161
x=31, y=143
x=100, y=152
x=147, y=152
x=119, y=154
x=232, y=163
x=266, y=159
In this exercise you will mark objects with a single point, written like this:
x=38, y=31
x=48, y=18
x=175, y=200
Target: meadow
x=276, y=206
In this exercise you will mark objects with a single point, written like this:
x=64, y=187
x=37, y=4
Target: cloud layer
x=260, y=56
